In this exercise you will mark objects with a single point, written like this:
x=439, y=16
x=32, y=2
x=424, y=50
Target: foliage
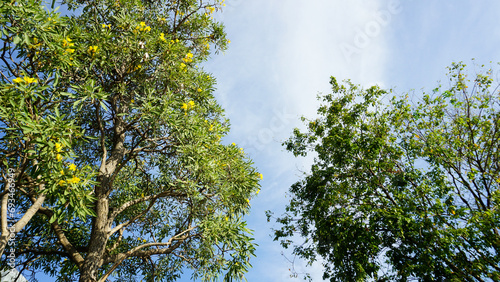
x=403, y=190
x=115, y=138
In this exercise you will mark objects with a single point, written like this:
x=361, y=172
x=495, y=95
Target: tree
x=400, y=190
x=110, y=143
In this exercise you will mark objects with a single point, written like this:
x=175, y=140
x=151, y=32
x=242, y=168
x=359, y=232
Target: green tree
x=400, y=190
x=110, y=143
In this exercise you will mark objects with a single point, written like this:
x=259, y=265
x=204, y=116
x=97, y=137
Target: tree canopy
x=110, y=143
x=400, y=189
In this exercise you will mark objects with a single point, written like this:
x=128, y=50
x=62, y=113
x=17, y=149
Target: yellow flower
x=25, y=79
x=30, y=80
x=70, y=50
x=67, y=42
x=188, y=58
x=72, y=167
x=226, y=218
x=74, y=180
x=144, y=241
x=184, y=106
x=162, y=37
x=257, y=192
x=261, y=176
x=93, y=50
x=211, y=127
x=58, y=147
x=58, y=157
x=233, y=144
x=62, y=172
x=199, y=90
x=191, y=104
x=183, y=65
x=61, y=182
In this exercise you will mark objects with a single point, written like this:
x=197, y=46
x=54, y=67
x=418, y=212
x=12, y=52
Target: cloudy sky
x=283, y=52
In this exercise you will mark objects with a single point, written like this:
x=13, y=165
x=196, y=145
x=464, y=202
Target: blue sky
x=282, y=54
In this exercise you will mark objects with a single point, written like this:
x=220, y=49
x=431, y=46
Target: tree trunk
x=97, y=244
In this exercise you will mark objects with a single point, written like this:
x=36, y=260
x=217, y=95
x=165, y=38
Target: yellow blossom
x=72, y=167
x=62, y=172
x=199, y=90
x=233, y=144
x=162, y=37
x=74, y=180
x=67, y=42
x=58, y=147
x=188, y=58
x=93, y=50
x=257, y=192
x=58, y=157
x=61, y=182
x=70, y=50
x=261, y=176
x=25, y=79
x=183, y=65
x=191, y=104
x=30, y=80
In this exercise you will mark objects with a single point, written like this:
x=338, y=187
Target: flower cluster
x=26, y=80
x=67, y=44
x=93, y=50
x=162, y=37
x=210, y=10
x=188, y=58
x=142, y=27
x=36, y=44
x=73, y=180
x=188, y=106
x=106, y=25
